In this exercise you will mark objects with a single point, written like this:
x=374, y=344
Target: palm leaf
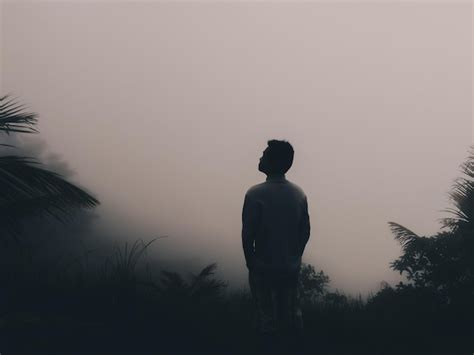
x=462, y=197
x=13, y=117
x=26, y=189
x=203, y=285
x=402, y=234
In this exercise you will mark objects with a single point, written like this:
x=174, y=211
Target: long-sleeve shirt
x=275, y=225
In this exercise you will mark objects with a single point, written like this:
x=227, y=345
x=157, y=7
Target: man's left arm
x=250, y=220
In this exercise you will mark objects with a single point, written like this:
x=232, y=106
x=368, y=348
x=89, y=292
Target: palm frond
x=402, y=234
x=468, y=166
x=14, y=118
x=26, y=189
x=204, y=285
x=462, y=197
x=207, y=271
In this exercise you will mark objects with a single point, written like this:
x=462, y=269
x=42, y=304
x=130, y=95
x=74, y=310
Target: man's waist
x=288, y=262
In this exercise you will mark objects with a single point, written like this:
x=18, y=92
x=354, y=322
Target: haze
x=163, y=109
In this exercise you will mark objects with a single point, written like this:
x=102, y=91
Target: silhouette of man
x=275, y=230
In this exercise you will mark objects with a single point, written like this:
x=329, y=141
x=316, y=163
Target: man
x=275, y=230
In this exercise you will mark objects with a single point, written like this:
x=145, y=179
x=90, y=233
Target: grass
x=120, y=306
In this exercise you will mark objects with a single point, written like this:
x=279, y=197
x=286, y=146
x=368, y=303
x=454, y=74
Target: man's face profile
x=262, y=166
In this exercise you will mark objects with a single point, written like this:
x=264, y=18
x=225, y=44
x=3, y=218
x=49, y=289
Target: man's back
x=275, y=225
x=275, y=230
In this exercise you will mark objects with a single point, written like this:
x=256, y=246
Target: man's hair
x=280, y=155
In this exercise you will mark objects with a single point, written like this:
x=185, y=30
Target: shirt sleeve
x=305, y=226
x=250, y=222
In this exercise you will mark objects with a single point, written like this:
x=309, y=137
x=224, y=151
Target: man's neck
x=275, y=177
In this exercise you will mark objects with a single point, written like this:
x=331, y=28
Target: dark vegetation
x=61, y=296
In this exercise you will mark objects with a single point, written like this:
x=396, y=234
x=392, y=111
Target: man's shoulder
x=255, y=189
x=262, y=187
x=297, y=188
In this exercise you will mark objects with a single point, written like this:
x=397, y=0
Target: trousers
x=277, y=302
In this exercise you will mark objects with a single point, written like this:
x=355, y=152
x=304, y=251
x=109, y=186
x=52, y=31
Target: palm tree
x=444, y=261
x=26, y=188
x=462, y=196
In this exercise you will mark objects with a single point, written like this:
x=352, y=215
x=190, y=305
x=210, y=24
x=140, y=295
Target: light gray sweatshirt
x=275, y=225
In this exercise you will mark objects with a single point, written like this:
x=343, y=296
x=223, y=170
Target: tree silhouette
x=26, y=188
x=445, y=261
x=312, y=284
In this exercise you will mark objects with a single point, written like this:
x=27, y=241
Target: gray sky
x=163, y=110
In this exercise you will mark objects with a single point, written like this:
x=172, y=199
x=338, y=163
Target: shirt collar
x=276, y=178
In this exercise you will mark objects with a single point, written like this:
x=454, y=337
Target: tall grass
x=121, y=304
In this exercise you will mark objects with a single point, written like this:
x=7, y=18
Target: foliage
x=13, y=117
x=27, y=189
x=122, y=267
x=312, y=284
x=119, y=307
x=462, y=197
x=444, y=262
x=200, y=288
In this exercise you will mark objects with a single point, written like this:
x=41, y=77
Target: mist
x=163, y=109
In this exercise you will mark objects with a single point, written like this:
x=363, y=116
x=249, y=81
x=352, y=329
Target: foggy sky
x=163, y=111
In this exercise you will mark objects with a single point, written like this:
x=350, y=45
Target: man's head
x=277, y=158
